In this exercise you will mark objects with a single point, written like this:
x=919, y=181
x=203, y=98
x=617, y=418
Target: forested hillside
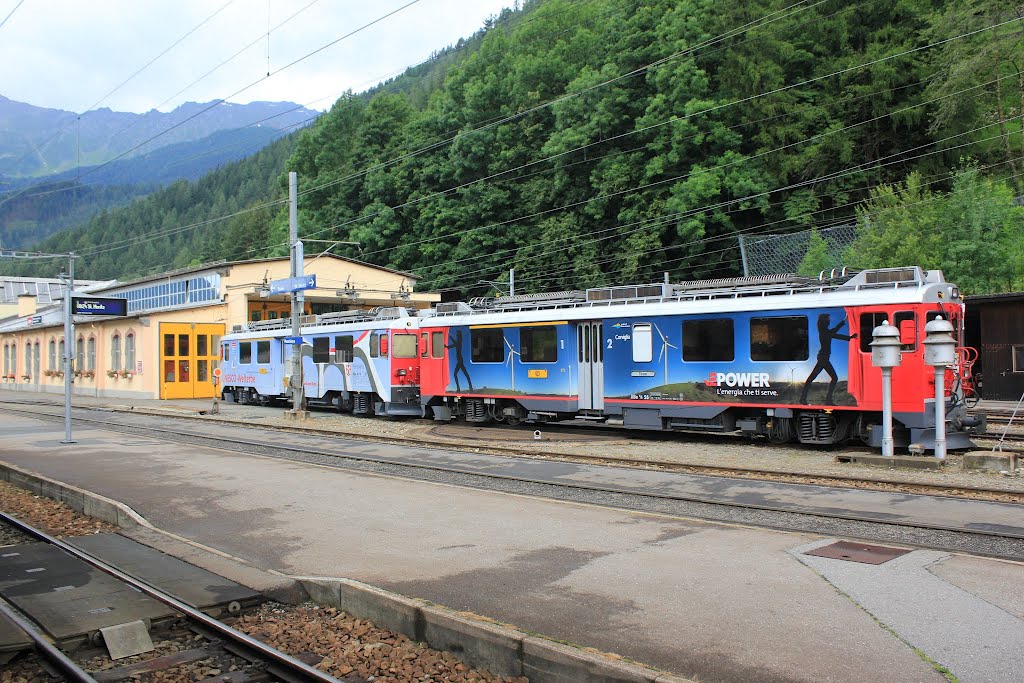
x=585, y=142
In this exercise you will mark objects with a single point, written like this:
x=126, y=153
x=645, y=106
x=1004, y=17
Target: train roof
x=837, y=288
x=776, y=292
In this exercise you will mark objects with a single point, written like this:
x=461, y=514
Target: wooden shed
x=995, y=327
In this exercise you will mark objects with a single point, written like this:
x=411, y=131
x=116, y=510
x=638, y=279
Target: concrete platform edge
x=133, y=525
x=502, y=650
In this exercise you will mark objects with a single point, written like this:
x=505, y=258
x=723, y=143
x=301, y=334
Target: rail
x=296, y=671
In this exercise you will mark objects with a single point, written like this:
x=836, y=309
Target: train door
x=433, y=368
x=590, y=360
x=188, y=355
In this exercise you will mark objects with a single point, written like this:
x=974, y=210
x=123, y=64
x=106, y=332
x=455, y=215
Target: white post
x=511, y=281
x=888, y=448
x=940, y=413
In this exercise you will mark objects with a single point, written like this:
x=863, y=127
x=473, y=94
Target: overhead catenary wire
x=11, y=13
x=548, y=104
x=871, y=62
x=763, y=229
x=633, y=72
x=632, y=189
x=148, y=64
x=38, y=188
x=218, y=102
x=789, y=87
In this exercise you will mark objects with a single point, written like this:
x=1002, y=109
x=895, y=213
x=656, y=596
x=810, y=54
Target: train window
x=579, y=342
x=779, y=339
x=374, y=345
x=869, y=321
x=488, y=345
x=226, y=352
x=643, y=348
x=404, y=345
x=1018, y=357
x=245, y=353
x=538, y=344
x=343, y=349
x=952, y=317
x=321, y=349
x=906, y=323
x=437, y=345
x=263, y=352
x=709, y=340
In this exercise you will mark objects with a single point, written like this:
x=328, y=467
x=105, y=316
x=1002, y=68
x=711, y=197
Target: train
x=784, y=358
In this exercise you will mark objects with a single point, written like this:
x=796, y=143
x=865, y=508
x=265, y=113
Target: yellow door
x=188, y=355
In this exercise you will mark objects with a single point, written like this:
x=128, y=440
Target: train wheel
x=243, y=397
x=781, y=431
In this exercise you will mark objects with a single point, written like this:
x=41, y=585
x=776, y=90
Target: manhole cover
x=858, y=552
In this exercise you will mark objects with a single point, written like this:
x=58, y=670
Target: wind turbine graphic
x=663, y=354
x=511, y=360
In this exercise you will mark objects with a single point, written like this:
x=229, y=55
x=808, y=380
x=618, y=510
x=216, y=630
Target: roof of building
x=46, y=290
x=1006, y=297
x=227, y=264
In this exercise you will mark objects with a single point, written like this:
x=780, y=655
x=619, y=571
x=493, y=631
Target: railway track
x=759, y=510
x=256, y=662
x=858, y=482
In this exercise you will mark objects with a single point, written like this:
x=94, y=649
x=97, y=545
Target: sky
x=76, y=55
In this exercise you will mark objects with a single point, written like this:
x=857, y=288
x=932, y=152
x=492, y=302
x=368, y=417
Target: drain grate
x=858, y=552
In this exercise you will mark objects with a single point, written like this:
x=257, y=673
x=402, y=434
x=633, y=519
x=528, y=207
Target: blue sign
x=293, y=284
x=82, y=305
x=290, y=341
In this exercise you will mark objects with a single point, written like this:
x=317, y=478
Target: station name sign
x=81, y=305
x=293, y=284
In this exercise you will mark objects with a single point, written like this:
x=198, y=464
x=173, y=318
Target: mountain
x=34, y=207
x=35, y=141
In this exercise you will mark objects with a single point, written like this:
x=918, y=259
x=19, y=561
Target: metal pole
x=743, y=256
x=511, y=281
x=69, y=348
x=887, y=443
x=298, y=399
x=940, y=413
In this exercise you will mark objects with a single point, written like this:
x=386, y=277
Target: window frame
x=344, y=348
x=488, y=335
x=643, y=342
x=115, y=351
x=263, y=352
x=527, y=350
x=321, y=349
x=786, y=323
x=404, y=338
x=698, y=325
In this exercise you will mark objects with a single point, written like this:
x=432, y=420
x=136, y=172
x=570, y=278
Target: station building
x=168, y=345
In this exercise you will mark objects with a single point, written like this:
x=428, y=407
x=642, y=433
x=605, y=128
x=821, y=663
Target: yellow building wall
x=239, y=284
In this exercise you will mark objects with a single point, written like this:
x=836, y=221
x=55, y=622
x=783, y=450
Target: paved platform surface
x=709, y=601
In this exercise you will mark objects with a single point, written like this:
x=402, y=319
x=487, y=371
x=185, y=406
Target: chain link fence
x=777, y=254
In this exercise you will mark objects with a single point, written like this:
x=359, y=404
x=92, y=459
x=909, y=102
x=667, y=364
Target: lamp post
x=939, y=352
x=885, y=354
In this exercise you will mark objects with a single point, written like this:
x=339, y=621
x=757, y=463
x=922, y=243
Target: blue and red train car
x=785, y=357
